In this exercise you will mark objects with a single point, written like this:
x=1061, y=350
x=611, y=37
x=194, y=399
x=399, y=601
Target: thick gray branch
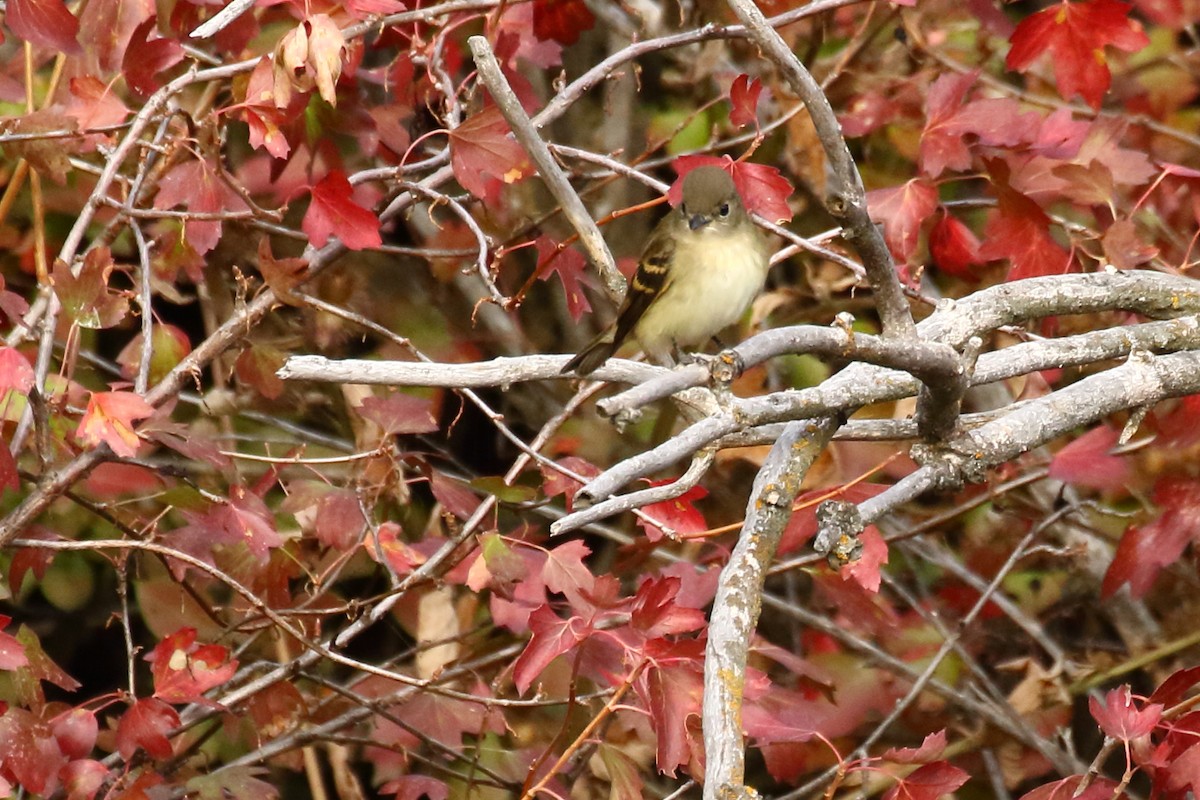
x=739, y=601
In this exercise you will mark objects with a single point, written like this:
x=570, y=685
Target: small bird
x=701, y=267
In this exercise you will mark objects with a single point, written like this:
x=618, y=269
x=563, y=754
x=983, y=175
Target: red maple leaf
x=942, y=146
x=110, y=418
x=1123, y=248
x=483, y=155
x=552, y=636
x=15, y=370
x=413, y=787
x=85, y=297
x=46, y=23
x=184, y=670
x=928, y=782
x=671, y=688
x=12, y=652
x=555, y=482
x=656, y=611
x=953, y=247
x=865, y=571
x=763, y=188
x=1074, y=35
x=146, y=57
x=569, y=265
x=1144, y=550
x=1119, y=718
x=94, y=105
x=1020, y=231
x=397, y=412
x=517, y=38
x=931, y=749
x=564, y=572
x=902, y=210
x=1088, y=461
x=146, y=725
x=197, y=185
x=333, y=211
x=1065, y=789
x=679, y=515
x=743, y=99
x=561, y=20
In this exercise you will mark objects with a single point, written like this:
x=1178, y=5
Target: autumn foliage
x=223, y=584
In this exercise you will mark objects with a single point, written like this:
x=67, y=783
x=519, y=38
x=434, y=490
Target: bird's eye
x=724, y=209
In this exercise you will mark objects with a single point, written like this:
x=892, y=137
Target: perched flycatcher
x=702, y=265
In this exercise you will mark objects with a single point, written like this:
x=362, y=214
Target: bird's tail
x=591, y=357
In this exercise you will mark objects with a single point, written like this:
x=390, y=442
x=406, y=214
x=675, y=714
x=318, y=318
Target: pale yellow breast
x=714, y=277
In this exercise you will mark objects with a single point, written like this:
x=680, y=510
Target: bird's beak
x=697, y=221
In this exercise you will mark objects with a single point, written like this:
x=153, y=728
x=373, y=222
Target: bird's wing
x=649, y=282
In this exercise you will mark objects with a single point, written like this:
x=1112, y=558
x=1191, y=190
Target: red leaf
x=399, y=413
x=1087, y=461
x=656, y=611
x=868, y=112
x=954, y=248
x=1119, y=718
x=565, y=572
x=928, y=782
x=95, y=105
x=145, y=58
x=763, y=189
x=1020, y=232
x=258, y=366
x=1175, y=687
x=361, y=9
x=12, y=652
x=561, y=20
x=902, y=210
x=555, y=483
x=569, y=264
x=454, y=495
x=482, y=152
x=411, y=787
x=931, y=749
x=516, y=37
x=46, y=23
x=1074, y=36
x=29, y=752
x=334, y=515
x=743, y=99
x=76, y=731
x=1100, y=789
x=232, y=783
x=183, y=670
x=671, y=689
x=942, y=146
x=146, y=725
x=333, y=211
x=10, y=477
x=83, y=777
x=552, y=636
x=680, y=515
x=86, y=298
x=1123, y=248
x=865, y=571
x=1145, y=550
x=197, y=185
x=15, y=371
x=110, y=418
